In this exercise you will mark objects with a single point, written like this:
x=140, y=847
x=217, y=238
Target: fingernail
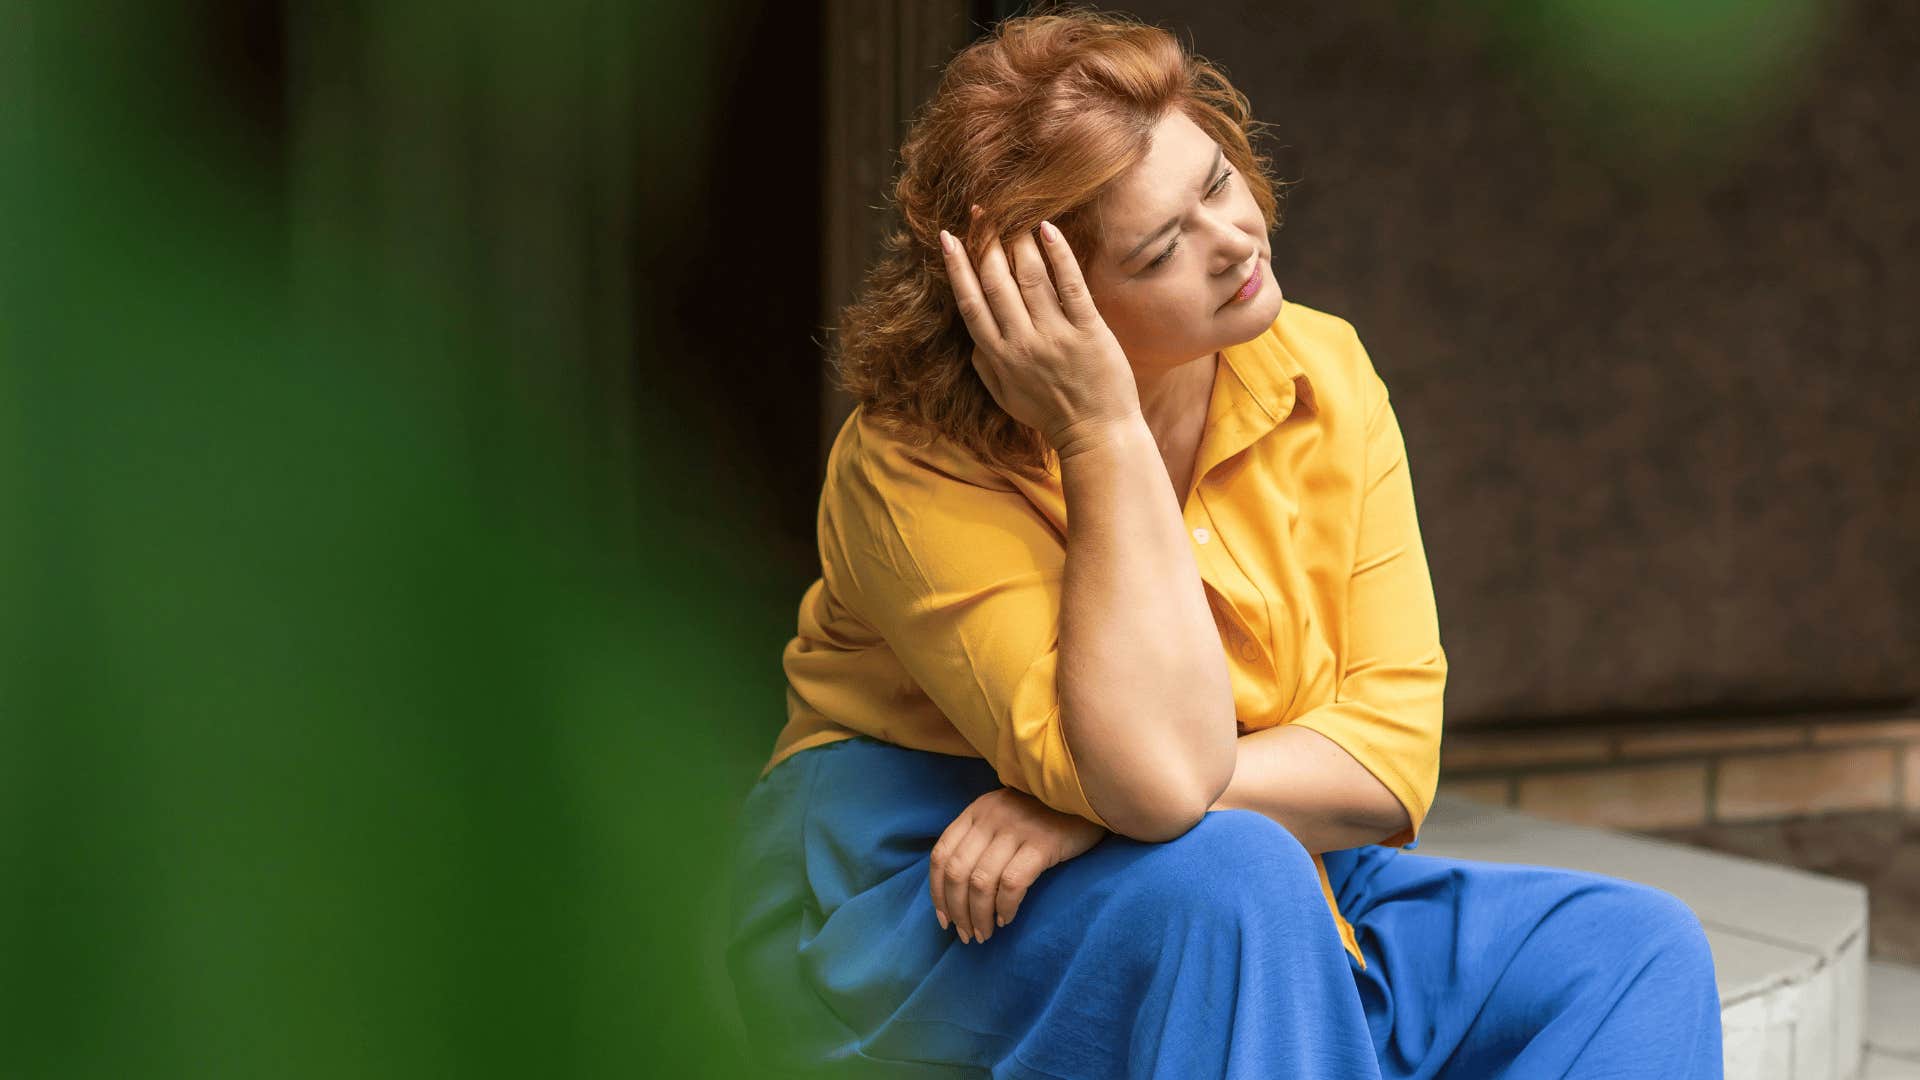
x=943, y=920
x=1047, y=230
x=946, y=242
x=963, y=938
x=999, y=920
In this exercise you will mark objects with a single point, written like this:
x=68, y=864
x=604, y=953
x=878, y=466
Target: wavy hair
x=1034, y=121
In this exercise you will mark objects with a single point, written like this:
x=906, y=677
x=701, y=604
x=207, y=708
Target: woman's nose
x=1237, y=254
x=1235, y=249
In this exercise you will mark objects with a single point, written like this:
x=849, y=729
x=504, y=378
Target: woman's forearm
x=1306, y=782
x=1144, y=692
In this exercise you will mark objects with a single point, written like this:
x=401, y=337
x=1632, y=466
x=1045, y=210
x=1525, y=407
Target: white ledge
x=1789, y=946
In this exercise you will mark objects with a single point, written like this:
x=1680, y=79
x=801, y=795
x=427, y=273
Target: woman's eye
x=1218, y=186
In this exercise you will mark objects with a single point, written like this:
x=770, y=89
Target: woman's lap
x=1213, y=954
x=1208, y=955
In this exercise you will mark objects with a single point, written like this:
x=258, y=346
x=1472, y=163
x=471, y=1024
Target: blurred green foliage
x=357, y=715
x=1672, y=91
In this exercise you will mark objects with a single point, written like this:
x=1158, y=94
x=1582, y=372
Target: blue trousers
x=1210, y=955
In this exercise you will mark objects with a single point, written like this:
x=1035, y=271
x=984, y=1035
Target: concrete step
x=1789, y=947
x=1893, y=1020
x=1887, y=1067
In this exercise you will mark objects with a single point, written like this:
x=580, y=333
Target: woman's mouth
x=1252, y=286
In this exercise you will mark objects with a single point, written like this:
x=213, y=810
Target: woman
x=1127, y=798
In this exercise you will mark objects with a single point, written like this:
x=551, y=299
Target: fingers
x=956, y=875
x=1002, y=293
x=980, y=877
x=1030, y=276
x=984, y=289
x=984, y=862
x=974, y=310
x=943, y=853
x=983, y=884
x=1068, y=284
x=1020, y=873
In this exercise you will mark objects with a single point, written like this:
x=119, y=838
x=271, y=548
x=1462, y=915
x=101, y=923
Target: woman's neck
x=1175, y=409
x=1174, y=401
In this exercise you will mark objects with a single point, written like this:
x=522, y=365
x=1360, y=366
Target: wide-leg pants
x=1210, y=955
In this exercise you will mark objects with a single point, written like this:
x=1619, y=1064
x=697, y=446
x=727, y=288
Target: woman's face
x=1181, y=235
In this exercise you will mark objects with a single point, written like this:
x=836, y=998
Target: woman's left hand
x=1000, y=844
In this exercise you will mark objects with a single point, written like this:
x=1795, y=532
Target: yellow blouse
x=935, y=621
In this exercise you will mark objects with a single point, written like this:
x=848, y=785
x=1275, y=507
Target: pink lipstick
x=1252, y=286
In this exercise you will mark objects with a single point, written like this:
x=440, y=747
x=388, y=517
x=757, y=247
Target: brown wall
x=1655, y=359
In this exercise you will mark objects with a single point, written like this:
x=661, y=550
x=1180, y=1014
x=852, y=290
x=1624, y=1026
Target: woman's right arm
x=1145, y=697
x=1145, y=700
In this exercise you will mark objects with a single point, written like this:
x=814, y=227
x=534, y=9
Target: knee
x=1233, y=862
x=1661, y=912
x=1660, y=919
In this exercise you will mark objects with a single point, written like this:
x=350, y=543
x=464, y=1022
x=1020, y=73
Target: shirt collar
x=1269, y=373
x=1264, y=383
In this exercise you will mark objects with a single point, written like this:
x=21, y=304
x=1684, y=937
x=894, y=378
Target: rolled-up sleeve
x=963, y=578
x=1387, y=711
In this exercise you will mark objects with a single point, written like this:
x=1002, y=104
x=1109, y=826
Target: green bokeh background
x=360, y=712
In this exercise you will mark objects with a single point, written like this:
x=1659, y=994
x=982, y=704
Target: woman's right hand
x=1042, y=348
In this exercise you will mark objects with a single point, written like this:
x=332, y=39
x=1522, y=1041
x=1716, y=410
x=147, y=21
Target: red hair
x=1032, y=122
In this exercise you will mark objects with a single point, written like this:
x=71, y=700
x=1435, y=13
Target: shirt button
x=1249, y=651
x=1201, y=536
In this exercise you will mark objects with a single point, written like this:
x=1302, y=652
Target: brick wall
x=1642, y=776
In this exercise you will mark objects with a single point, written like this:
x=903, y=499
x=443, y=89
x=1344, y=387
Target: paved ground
x=1880, y=850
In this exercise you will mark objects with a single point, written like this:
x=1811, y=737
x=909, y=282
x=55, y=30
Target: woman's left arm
x=1306, y=782
x=1362, y=768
